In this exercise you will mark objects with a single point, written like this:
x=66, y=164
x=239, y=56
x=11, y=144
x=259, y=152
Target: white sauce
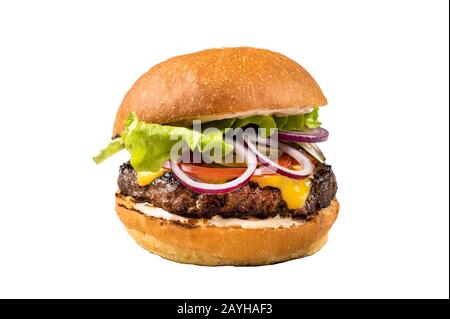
x=294, y=110
x=218, y=221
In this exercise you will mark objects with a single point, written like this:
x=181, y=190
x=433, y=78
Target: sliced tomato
x=212, y=174
x=222, y=175
x=286, y=160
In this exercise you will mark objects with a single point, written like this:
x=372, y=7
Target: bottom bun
x=208, y=245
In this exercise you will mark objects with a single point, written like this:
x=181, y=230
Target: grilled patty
x=249, y=201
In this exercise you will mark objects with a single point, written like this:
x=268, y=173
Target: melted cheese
x=145, y=178
x=293, y=191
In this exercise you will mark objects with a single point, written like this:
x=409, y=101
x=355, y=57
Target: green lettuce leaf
x=293, y=123
x=298, y=122
x=114, y=147
x=265, y=122
x=286, y=123
x=150, y=144
x=312, y=119
x=221, y=125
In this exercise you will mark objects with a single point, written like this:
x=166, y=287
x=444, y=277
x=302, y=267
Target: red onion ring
x=213, y=189
x=314, y=135
x=260, y=171
x=305, y=162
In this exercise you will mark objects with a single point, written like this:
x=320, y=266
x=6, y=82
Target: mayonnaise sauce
x=218, y=221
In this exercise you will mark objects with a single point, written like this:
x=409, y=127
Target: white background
x=65, y=66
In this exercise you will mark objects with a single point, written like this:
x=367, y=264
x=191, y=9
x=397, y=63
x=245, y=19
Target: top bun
x=220, y=83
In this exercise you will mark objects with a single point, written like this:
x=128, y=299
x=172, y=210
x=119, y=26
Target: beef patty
x=249, y=201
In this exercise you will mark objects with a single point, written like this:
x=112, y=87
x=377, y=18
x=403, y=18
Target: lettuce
x=150, y=145
x=299, y=122
x=266, y=122
x=114, y=147
x=312, y=119
x=285, y=123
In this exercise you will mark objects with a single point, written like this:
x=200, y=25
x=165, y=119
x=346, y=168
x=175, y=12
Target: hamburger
x=199, y=188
